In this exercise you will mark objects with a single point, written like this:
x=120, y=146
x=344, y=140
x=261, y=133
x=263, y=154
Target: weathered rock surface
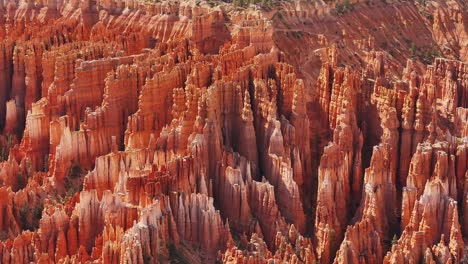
x=197, y=132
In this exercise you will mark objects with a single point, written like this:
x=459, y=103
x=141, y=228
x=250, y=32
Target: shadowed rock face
x=306, y=132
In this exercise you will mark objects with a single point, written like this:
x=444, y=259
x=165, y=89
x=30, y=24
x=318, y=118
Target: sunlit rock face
x=208, y=132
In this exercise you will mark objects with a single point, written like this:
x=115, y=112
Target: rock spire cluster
x=187, y=132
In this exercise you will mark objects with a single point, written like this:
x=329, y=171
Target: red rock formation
x=339, y=169
x=138, y=132
x=376, y=217
x=434, y=218
x=291, y=248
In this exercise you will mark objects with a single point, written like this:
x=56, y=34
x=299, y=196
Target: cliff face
x=137, y=132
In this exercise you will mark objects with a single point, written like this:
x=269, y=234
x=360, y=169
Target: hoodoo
x=210, y=131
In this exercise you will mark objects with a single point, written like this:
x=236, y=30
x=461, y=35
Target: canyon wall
x=200, y=132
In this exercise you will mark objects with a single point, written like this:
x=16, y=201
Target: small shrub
x=413, y=50
x=430, y=54
x=426, y=14
x=21, y=180
x=72, y=183
x=71, y=187
x=37, y=212
x=36, y=216
x=426, y=55
x=5, y=149
x=297, y=34
x=422, y=2
x=343, y=8
x=3, y=235
x=23, y=213
x=75, y=172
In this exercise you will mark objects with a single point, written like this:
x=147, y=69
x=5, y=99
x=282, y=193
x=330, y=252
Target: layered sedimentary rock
x=305, y=132
x=376, y=216
x=434, y=218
